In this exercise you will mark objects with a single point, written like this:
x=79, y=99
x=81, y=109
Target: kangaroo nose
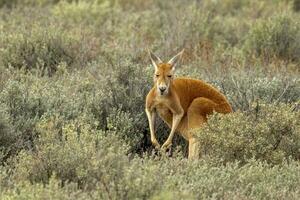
x=162, y=89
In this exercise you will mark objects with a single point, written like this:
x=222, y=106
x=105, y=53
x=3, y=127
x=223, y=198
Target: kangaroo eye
x=170, y=76
x=157, y=75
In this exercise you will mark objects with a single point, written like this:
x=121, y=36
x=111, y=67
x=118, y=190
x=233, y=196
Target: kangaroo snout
x=162, y=88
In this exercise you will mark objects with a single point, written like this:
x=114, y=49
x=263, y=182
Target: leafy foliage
x=43, y=49
x=278, y=36
x=267, y=133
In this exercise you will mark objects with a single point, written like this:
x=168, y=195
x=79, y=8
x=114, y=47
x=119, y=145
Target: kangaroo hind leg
x=197, y=116
x=194, y=121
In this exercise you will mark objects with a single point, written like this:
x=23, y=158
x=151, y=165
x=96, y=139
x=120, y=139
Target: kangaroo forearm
x=176, y=120
x=151, y=120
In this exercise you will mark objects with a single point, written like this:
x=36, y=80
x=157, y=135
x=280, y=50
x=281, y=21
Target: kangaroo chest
x=165, y=113
x=163, y=110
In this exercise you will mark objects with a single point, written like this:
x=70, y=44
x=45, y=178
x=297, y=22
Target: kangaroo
x=182, y=103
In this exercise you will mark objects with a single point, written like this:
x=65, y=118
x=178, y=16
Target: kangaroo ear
x=154, y=59
x=175, y=59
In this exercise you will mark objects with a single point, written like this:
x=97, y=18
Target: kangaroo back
x=189, y=89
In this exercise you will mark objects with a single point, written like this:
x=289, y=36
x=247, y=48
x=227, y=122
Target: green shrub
x=53, y=190
x=276, y=37
x=85, y=12
x=85, y=157
x=267, y=133
x=243, y=89
x=113, y=105
x=56, y=152
x=14, y=3
x=7, y=3
x=123, y=123
x=24, y=107
x=150, y=178
x=42, y=49
x=8, y=138
x=296, y=5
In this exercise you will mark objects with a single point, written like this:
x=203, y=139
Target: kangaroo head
x=164, y=72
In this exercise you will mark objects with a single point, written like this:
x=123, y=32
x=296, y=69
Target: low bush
x=8, y=138
x=268, y=133
x=102, y=169
x=8, y=3
x=4, y=128
x=23, y=107
x=276, y=37
x=56, y=146
x=296, y=5
x=53, y=190
x=82, y=11
x=242, y=89
x=99, y=164
x=15, y=3
x=113, y=105
x=152, y=178
x=43, y=49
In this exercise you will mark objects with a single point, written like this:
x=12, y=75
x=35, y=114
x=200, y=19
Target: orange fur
x=184, y=106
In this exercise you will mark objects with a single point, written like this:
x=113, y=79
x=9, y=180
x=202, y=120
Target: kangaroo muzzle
x=162, y=89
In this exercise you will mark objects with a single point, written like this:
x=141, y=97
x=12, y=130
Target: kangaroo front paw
x=155, y=143
x=167, y=145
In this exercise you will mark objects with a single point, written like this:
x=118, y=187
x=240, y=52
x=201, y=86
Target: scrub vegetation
x=73, y=79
